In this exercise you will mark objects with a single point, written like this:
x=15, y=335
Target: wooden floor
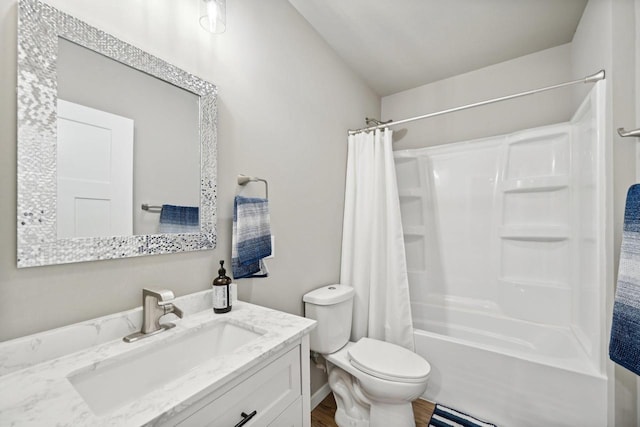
x=322, y=415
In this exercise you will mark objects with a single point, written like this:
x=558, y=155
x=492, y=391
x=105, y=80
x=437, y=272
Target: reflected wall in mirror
x=103, y=129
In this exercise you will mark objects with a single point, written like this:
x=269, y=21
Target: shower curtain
x=373, y=254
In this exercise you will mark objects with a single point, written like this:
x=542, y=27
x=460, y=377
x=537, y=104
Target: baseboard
x=319, y=395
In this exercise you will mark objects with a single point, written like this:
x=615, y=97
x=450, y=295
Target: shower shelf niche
x=411, y=193
x=539, y=183
x=413, y=230
x=541, y=233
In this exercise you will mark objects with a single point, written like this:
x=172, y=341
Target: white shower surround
x=505, y=241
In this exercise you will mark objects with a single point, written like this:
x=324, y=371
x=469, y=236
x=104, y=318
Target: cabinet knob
x=246, y=418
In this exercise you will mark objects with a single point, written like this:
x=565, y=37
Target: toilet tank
x=331, y=306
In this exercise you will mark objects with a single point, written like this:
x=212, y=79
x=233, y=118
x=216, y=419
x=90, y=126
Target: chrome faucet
x=155, y=304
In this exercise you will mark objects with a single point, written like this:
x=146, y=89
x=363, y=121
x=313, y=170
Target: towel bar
x=151, y=208
x=244, y=179
x=626, y=133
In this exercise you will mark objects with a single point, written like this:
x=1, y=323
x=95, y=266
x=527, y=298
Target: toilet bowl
x=374, y=382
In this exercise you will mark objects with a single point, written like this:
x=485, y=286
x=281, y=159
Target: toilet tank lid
x=330, y=294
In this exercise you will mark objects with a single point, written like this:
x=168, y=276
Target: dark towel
x=624, y=347
x=179, y=219
x=251, y=237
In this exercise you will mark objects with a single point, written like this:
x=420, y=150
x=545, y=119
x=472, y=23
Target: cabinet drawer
x=268, y=392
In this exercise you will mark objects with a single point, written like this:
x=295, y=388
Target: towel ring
x=244, y=180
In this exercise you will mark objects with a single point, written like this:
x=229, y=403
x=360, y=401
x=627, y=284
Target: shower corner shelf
x=411, y=192
x=535, y=233
x=414, y=230
x=538, y=183
x=524, y=283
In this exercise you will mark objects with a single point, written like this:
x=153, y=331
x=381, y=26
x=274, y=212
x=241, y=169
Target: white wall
x=285, y=103
x=528, y=72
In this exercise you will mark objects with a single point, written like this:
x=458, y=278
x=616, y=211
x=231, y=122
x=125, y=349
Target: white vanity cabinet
x=275, y=393
x=250, y=359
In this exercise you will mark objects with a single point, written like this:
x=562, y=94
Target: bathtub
x=506, y=242
x=510, y=372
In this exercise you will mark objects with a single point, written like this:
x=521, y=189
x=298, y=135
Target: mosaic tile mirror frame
x=40, y=27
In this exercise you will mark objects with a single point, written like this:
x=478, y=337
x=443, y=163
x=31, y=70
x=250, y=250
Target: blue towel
x=624, y=347
x=251, y=238
x=179, y=219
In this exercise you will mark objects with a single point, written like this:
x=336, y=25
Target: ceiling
x=402, y=44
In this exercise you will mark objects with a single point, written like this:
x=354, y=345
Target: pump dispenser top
x=222, y=273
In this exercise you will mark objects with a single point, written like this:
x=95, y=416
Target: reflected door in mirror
x=95, y=172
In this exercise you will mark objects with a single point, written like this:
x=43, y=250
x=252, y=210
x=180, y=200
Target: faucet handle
x=171, y=308
x=163, y=296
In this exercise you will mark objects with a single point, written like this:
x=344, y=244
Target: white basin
x=122, y=379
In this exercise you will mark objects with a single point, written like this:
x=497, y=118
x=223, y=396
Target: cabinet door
x=291, y=417
x=268, y=392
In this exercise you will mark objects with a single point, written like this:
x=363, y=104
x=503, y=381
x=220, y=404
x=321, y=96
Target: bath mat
x=447, y=417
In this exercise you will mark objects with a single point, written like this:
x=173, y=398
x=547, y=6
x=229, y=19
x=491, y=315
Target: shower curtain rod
x=588, y=79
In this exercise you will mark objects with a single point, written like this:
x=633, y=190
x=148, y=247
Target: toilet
x=374, y=382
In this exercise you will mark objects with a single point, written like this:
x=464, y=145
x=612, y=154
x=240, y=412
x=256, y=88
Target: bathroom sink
x=121, y=379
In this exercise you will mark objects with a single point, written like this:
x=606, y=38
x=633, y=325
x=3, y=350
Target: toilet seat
x=388, y=361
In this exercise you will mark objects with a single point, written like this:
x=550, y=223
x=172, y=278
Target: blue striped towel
x=624, y=347
x=251, y=237
x=447, y=417
x=179, y=219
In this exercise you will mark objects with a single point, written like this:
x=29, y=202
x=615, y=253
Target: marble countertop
x=34, y=385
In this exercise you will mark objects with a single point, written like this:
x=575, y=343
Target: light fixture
x=213, y=15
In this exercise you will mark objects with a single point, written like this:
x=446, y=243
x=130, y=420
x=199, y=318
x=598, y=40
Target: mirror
x=125, y=139
x=104, y=129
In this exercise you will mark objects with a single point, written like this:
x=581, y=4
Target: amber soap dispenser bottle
x=221, y=291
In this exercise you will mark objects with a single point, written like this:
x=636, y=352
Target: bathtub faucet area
x=155, y=304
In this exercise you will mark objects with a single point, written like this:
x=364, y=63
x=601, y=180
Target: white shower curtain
x=373, y=255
